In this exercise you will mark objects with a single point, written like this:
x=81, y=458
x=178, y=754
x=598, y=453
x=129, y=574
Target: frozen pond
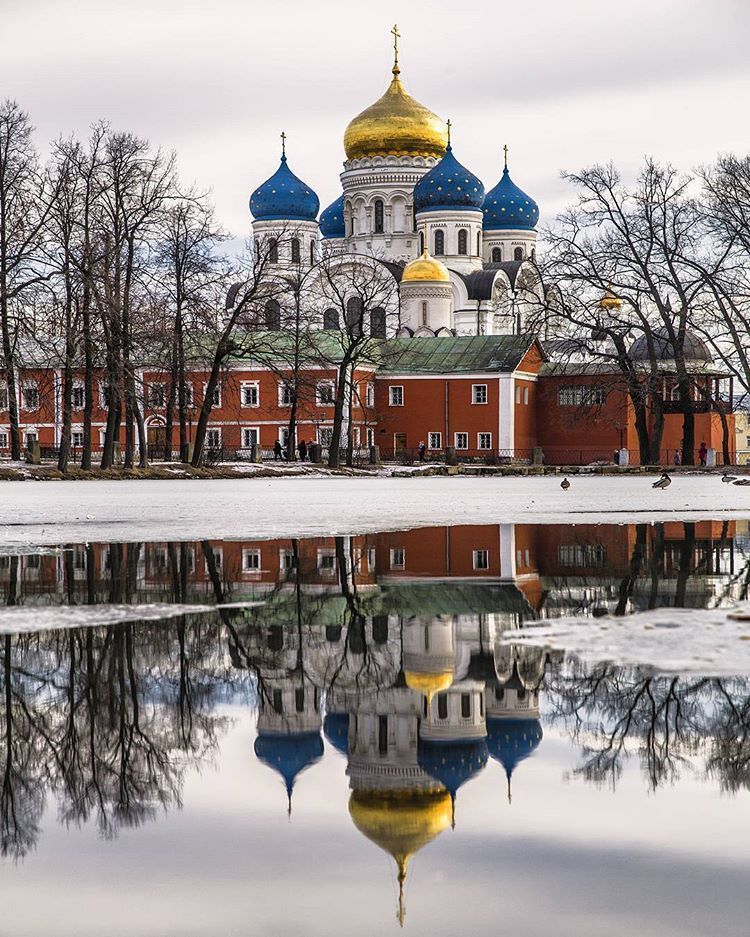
x=53, y=512
x=366, y=733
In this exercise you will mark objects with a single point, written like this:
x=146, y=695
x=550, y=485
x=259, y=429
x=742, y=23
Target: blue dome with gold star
x=289, y=754
x=506, y=207
x=448, y=186
x=284, y=197
x=332, y=219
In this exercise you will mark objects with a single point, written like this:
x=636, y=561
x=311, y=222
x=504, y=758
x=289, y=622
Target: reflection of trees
x=106, y=719
x=671, y=724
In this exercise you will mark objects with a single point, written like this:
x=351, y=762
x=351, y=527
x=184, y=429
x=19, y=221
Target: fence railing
x=361, y=456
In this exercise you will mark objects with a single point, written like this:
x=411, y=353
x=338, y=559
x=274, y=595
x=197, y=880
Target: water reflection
x=388, y=646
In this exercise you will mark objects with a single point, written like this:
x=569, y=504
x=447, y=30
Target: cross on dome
x=396, y=37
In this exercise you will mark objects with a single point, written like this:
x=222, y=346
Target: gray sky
x=564, y=84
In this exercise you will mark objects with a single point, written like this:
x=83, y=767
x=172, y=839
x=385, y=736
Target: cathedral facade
x=463, y=257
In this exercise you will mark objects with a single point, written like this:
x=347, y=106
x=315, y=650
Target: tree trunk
x=334, y=451
x=205, y=415
x=88, y=381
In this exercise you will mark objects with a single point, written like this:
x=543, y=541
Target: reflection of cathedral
x=417, y=703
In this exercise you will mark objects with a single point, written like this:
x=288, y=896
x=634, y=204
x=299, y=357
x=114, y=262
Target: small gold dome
x=396, y=125
x=428, y=683
x=609, y=301
x=426, y=268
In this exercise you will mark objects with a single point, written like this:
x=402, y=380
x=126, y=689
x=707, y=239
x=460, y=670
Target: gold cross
x=396, y=35
x=448, y=124
x=283, y=143
x=505, y=151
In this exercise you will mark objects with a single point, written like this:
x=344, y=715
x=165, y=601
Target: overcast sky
x=564, y=84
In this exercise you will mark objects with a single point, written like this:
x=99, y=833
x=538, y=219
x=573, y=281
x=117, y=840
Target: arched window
x=295, y=250
x=518, y=253
x=533, y=253
x=463, y=241
x=439, y=242
x=354, y=315
x=421, y=242
x=377, y=322
x=331, y=319
x=378, y=216
x=425, y=315
x=273, y=251
x=497, y=255
x=312, y=251
x=479, y=243
x=272, y=314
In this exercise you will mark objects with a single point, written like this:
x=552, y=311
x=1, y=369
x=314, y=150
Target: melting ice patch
x=712, y=642
x=26, y=619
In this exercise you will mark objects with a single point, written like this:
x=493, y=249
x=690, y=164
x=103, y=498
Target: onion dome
x=508, y=207
x=401, y=823
x=332, y=220
x=289, y=755
x=609, y=301
x=511, y=741
x=453, y=763
x=284, y=197
x=336, y=730
x=395, y=125
x=428, y=684
x=449, y=185
x=425, y=268
x=695, y=349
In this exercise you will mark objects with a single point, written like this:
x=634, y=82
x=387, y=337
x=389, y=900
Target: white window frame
x=397, y=558
x=526, y=395
x=518, y=393
x=286, y=561
x=251, y=560
x=283, y=390
x=3, y=439
x=209, y=431
x=73, y=434
x=4, y=401
x=433, y=437
x=253, y=387
x=217, y=393
x=74, y=405
x=152, y=385
x=369, y=394
x=319, y=399
x=480, y=560
x=30, y=431
x=326, y=562
x=396, y=390
x=370, y=437
x=479, y=441
x=477, y=391
x=218, y=555
x=457, y=441
x=324, y=435
x=249, y=429
x=30, y=386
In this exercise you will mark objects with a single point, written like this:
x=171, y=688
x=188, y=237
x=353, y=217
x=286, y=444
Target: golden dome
x=609, y=301
x=428, y=683
x=396, y=125
x=401, y=823
x=425, y=268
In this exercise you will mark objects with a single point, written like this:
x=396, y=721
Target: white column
x=506, y=414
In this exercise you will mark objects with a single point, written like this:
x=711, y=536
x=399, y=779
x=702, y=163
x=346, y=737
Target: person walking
x=277, y=452
x=421, y=451
x=676, y=457
x=302, y=449
x=703, y=453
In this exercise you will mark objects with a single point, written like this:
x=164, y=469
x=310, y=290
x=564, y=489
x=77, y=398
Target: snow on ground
x=63, y=512
x=707, y=642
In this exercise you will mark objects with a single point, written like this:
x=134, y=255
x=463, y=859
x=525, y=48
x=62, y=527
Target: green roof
x=454, y=354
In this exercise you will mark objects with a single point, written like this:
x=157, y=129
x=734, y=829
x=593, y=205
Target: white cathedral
x=462, y=258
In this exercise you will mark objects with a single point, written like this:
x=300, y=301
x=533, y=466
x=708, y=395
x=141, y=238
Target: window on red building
x=156, y=395
x=479, y=393
x=481, y=559
x=398, y=558
x=484, y=440
x=3, y=397
x=31, y=397
x=213, y=438
x=461, y=440
x=250, y=394
x=285, y=394
x=434, y=440
x=78, y=397
x=396, y=395
x=325, y=394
